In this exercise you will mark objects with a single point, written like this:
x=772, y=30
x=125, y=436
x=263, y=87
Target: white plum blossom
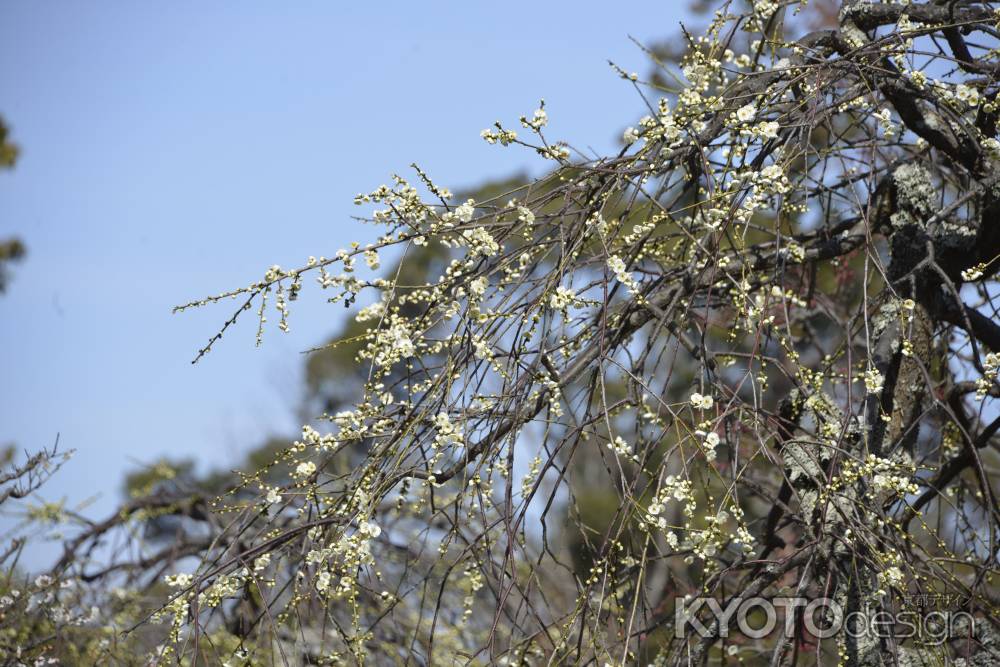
x=973, y=273
x=709, y=444
x=563, y=297
x=464, y=212
x=478, y=286
x=769, y=129
x=394, y=344
x=992, y=147
x=179, y=580
x=619, y=268
x=746, y=113
x=525, y=215
x=621, y=448
x=372, y=312
x=369, y=529
x=538, y=120
x=701, y=402
x=480, y=242
x=873, y=380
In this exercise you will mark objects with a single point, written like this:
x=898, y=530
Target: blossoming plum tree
x=754, y=353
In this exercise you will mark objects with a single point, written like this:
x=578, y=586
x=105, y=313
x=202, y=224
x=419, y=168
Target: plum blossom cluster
x=769, y=236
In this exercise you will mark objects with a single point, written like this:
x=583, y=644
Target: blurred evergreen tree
x=11, y=249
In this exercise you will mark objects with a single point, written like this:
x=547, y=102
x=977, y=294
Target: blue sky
x=174, y=150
